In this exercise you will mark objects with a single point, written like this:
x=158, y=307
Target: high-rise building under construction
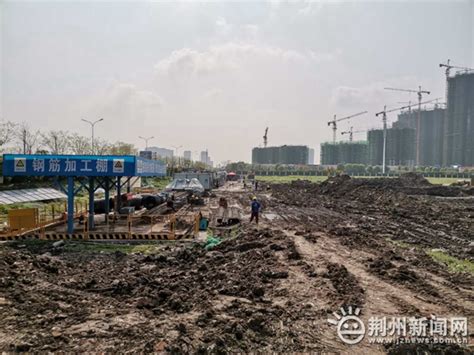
x=286, y=154
x=431, y=133
x=400, y=146
x=344, y=153
x=458, y=146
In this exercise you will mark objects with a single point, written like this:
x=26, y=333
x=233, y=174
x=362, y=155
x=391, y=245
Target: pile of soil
x=364, y=188
x=401, y=209
x=184, y=299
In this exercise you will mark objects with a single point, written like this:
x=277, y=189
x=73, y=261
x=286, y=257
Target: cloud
x=374, y=94
x=212, y=94
x=222, y=26
x=127, y=102
x=129, y=94
x=251, y=30
x=310, y=8
x=228, y=56
x=355, y=96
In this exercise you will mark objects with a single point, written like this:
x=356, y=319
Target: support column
x=91, y=203
x=70, y=204
x=107, y=198
x=118, y=202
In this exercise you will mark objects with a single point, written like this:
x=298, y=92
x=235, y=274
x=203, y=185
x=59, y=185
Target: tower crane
x=448, y=67
x=335, y=120
x=420, y=93
x=351, y=132
x=265, y=138
x=384, y=120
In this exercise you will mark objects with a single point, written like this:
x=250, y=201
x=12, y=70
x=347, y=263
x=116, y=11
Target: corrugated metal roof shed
x=30, y=195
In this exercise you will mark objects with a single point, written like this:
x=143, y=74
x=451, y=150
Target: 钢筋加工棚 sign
x=80, y=165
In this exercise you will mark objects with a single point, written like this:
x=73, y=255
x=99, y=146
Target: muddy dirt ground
x=267, y=288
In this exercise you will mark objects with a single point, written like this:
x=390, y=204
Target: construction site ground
x=392, y=247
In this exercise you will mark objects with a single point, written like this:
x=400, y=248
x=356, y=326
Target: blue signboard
x=147, y=167
x=80, y=165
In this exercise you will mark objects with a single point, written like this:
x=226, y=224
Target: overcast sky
x=214, y=75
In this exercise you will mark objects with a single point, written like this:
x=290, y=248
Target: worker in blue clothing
x=255, y=206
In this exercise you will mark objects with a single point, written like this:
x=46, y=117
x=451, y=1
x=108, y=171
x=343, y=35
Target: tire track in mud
x=382, y=298
x=412, y=269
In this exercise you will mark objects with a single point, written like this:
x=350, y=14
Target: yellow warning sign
x=118, y=166
x=20, y=165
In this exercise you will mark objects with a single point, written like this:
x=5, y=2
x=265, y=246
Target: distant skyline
x=214, y=75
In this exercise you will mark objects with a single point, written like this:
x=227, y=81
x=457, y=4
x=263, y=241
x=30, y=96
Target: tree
x=122, y=148
x=79, y=144
x=57, y=142
x=28, y=138
x=7, y=130
x=102, y=147
x=238, y=166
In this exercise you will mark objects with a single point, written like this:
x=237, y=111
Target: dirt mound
x=346, y=285
x=368, y=189
x=184, y=299
x=360, y=211
x=413, y=179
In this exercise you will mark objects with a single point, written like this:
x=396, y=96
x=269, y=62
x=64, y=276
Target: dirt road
x=319, y=247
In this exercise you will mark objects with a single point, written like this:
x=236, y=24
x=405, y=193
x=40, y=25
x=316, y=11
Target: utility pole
x=419, y=93
x=384, y=149
x=176, y=149
x=92, y=129
x=146, y=139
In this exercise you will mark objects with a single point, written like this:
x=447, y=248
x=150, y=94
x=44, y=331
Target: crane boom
x=265, y=138
x=404, y=107
x=448, y=66
x=334, y=124
x=409, y=90
x=351, y=133
x=351, y=116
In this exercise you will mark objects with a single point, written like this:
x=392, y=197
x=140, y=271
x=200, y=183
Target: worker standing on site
x=255, y=206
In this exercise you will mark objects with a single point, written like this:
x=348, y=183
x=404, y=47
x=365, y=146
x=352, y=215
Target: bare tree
x=122, y=148
x=28, y=138
x=102, y=147
x=79, y=144
x=7, y=132
x=57, y=142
